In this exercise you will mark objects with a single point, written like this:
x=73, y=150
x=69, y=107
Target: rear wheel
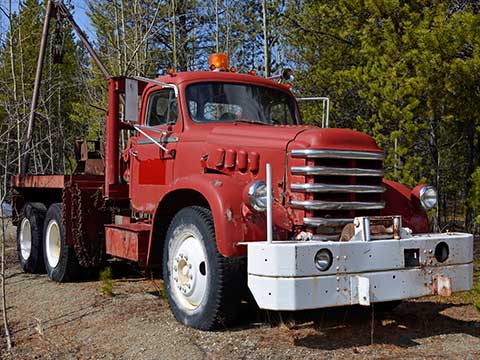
x=60, y=259
x=29, y=237
x=200, y=283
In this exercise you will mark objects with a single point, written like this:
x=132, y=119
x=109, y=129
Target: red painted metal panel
x=398, y=201
x=38, y=181
x=112, y=135
x=129, y=241
x=152, y=172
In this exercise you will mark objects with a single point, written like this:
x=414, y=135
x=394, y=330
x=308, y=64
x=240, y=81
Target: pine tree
x=405, y=72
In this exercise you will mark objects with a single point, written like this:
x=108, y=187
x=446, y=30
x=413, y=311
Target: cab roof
x=203, y=76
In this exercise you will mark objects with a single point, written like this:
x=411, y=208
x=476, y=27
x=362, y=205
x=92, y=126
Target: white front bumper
x=282, y=274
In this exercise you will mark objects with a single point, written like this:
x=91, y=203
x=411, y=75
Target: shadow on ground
x=342, y=327
x=351, y=326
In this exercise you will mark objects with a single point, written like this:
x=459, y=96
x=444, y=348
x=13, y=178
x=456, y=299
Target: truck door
x=153, y=150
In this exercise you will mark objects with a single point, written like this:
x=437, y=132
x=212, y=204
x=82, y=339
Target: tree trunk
x=14, y=83
x=266, y=50
x=436, y=164
x=469, y=169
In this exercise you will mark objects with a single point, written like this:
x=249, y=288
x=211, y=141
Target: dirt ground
x=75, y=321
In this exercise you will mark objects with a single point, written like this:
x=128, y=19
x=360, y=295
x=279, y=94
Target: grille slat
x=334, y=188
x=339, y=185
x=322, y=237
x=336, y=205
x=327, y=221
x=337, y=154
x=335, y=171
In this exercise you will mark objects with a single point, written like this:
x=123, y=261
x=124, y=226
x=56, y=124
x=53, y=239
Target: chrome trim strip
x=333, y=188
x=325, y=170
x=327, y=221
x=337, y=154
x=154, y=129
x=336, y=205
x=322, y=237
x=161, y=140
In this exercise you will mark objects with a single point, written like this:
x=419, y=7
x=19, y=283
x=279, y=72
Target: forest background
x=406, y=72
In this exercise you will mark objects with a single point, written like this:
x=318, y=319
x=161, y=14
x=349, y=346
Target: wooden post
x=36, y=88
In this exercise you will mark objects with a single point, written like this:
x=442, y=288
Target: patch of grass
x=107, y=282
x=161, y=290
x=159, y=287
x=476, y=285
x=476, y=274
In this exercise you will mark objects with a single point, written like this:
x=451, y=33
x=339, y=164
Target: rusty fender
x=224, y=196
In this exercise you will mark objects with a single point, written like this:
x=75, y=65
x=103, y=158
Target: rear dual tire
x=29, y=238
x=60, y=260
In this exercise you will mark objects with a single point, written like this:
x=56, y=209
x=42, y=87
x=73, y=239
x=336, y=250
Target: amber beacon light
x=218, y=62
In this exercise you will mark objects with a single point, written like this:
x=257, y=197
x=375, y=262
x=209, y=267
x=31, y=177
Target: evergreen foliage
x=406, y=72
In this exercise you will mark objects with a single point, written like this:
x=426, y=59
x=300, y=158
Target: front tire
x=60, y=260
x=29, y=238
x=200, y=283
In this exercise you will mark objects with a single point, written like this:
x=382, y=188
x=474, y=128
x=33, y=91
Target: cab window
x=223, y=102
x=162, y=108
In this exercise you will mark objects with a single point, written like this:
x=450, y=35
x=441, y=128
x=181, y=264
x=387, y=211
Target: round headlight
x=323, y=259
x=428, y=197
x=257, y=195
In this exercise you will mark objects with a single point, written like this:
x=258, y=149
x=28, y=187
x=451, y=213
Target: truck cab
x=213, y=176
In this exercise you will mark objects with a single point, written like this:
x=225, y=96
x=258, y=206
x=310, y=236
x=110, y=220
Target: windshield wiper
x=258, y=122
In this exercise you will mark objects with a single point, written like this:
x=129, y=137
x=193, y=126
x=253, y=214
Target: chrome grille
x=337, y=154
x=338, y=185
x=324, y=170
x=336, y=205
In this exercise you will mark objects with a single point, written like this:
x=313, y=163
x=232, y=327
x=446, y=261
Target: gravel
x=75, y=321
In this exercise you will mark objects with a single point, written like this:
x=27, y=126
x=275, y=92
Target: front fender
x=398, y=201
x=224, y=196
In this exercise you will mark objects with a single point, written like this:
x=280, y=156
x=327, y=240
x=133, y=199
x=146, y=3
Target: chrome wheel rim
x=188, y=270
x=25, y=239
x=53, y=242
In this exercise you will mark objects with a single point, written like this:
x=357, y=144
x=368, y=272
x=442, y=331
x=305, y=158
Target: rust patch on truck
x=442, y=285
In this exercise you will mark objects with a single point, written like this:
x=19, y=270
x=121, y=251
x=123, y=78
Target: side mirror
x=131, y=100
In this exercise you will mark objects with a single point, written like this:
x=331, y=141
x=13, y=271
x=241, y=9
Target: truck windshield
x=230, y=102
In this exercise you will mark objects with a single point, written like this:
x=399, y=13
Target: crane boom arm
x=59, y=10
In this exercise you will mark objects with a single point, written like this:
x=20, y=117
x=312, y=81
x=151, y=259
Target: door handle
x=133, y=153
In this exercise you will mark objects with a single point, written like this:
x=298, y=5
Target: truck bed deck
x=56, y=181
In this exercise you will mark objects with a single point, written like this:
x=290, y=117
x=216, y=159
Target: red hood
x=278, y=137
x=339, y=139
x=256, y=136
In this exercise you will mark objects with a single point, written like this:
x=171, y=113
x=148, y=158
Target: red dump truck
x=221, y=185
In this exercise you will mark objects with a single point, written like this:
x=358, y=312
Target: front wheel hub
x=189, y=270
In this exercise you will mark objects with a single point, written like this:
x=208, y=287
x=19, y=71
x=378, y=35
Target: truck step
x=128, y=241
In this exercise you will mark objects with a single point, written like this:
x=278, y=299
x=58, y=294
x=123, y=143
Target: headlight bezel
x=425, y=197
x=257, y=195
x=329, y=262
